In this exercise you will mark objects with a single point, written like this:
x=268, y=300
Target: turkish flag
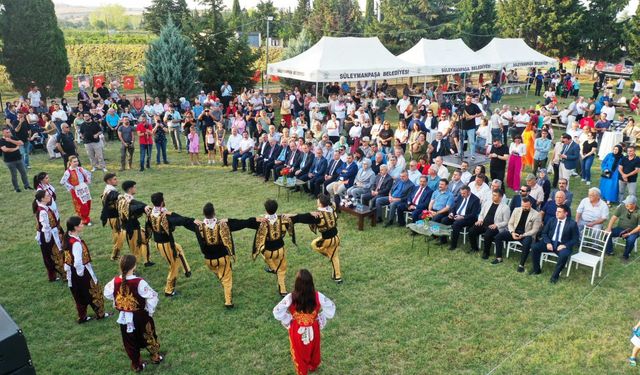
x=565, y=60
x=600, y=65
x=275, y=79
x=256, y=76
x=129, y=82
x=618, y=68
x=582, y=63
x=68, y=84
x=98, y=81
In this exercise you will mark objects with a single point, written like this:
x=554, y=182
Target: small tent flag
x=68, y=84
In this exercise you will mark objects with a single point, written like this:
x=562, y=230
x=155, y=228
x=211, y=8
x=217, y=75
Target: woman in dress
x=76, y=180
x=514, y=168
x=48, y=235
x=136, y=302
x=610, y=173
x=304, y=313
x=401, y=135
x=529, y=139
x=42, y=182
x=81, y=278
x=588, y=154
x=285, y=111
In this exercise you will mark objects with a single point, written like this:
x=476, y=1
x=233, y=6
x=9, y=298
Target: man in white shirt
x=59, y=116
x=592, y=211
x=465, y=175
x=442, y=171
x=536, y=190
x=480, y=189
x=521, y=120
x=609, y=110
x=402, y=106
x=158, y=108
x=233, y=145
x=243, y=152
x=34, y=97
x=414, y=173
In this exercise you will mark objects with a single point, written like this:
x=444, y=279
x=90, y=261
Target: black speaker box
x=14, y=354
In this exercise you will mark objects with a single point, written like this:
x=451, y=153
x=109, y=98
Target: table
x=291, y=183
x=609, y=139
x=430, y=229
x=361, y=214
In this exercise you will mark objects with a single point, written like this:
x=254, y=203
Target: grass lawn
x=399, y=311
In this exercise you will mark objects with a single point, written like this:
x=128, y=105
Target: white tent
x=344, y=59
x=442, y=56
x=511, y=53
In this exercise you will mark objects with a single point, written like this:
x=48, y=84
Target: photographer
x=127, y=136
x=160, y=137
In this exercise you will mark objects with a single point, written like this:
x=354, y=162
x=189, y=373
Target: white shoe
x=105, y=170
x=93, y=169
x=588, y=183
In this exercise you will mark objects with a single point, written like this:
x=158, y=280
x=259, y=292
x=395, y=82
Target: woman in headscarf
x=609, y=177
x=543, y=181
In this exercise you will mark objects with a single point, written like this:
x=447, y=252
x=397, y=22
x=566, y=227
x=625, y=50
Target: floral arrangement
x=284, y=172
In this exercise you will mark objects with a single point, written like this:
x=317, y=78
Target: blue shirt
x=398, y=190
x=542, y=147
x=197, y=110
x=441, y=200
x=433, y=183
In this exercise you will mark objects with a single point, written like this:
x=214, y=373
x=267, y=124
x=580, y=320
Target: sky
x=243, y=3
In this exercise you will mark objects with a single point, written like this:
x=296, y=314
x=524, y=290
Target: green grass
x=399, y=311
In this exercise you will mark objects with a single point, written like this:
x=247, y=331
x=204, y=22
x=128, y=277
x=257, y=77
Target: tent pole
x=316, y=89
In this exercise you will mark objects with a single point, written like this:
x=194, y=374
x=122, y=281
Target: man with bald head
x=548, y=211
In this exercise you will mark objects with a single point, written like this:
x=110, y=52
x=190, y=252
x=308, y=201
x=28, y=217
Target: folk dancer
x=110, y=213
x=304, y=313
x=129, y=211
x=76, y=180
x=48, y=235
x=136, y=302
x=161, y=223
x=325, y=221
x=42, y=182
x=81, y=278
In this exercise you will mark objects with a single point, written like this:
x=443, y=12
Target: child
x=220, y=133
x=194, y=146
x=304, y=313
x=210, y=138
x=635, y=340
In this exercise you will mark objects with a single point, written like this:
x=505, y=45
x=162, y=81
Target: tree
x=476, y=22
x=369, y=12
x=300, y=15
x=551, y=26
x=296, y=46
x=33, y=47
x=110, y=17
x=632, y=37
x=604, y=35
x=155, y=16
x=287, y=30
x=235, y=19
x=264, y=9
x=334, y=18
x=170, y=65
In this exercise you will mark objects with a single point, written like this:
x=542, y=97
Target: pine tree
x=476, y=22
x=632, y=37
x=33, y=47
x=334, y=18
x=300, y=15
x=369, y=12
x=155, y=16
x=264, y=9
x=170, y=65
x=296, y=46
x=604, y=35
x=235, y=19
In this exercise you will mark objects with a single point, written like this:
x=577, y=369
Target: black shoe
x=553, y=280
x=172, y=294
x=165, y=162
x=149, y=264
x=338, y=280
x=283, y=294
x=610, y=254
x=229, y=307
x=187, y=274
x=104, y=316
x=18, y=191
x=388, y=224
x=496, y=261
x=452, y=248
x=625, y=260
x=269, y=270
x=520, y=268
x=485, y=256
x=379, y=220
x=28, y=188
x=534, y=272
x=82, y=321
x=148, y=166
x=141, y=169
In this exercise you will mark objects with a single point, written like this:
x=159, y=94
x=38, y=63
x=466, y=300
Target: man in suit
x=330, y=175
x=398, y=194
x=464, y=214
x=569, y=157
x=292, y=161
x=524, y=224
x=439, y=147
x=494, y=217
x=261, y=152
x=381, y=187
x=316, y=170
x=417, y=202
x=345, y=179
x=559, y=236
x=456, y=183
x=278, y=157
x=306, y=161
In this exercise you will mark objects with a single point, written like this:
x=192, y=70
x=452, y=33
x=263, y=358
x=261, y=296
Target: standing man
x=471, y=111
x=559, y=236
x=22, y=132
x=145, y=136
x=110, y=213
x=127, y=137
x=226, y=92
x=66, y=145
x=542, y=147
x=162, y=224
x=499, y=154
x=628, y=168
x=10, y=147
x=91, y=133
x=129, y=211
x=569, y=157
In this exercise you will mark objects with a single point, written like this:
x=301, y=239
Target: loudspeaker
x=14, y=354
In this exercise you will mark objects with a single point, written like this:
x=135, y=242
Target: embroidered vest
x=68, y=253
x=126, y=296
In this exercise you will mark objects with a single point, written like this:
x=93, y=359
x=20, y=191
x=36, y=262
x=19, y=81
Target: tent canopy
x=443, y=56
x=344, y=59
x=510, y=53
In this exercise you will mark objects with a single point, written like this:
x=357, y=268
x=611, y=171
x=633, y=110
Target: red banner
x=582, y=63
x=565, y=60
x=68, y=84
x=275, y=79
x=256, y=76
x=618, y=68
x=98, y=81
x=129, y=82
x=600, y=65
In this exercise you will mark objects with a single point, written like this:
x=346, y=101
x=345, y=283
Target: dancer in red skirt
x=49, y=235
x=136, y=302
x=76, y=179
x=80, y=275
x=304, y=313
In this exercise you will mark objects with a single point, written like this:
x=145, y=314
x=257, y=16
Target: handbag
x=606, y=174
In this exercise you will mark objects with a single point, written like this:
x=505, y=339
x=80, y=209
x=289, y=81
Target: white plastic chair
x=619, y=241
x=514, y=246
x=591, y=251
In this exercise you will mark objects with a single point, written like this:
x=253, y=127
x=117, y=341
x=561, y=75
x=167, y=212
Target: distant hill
x=75, y=13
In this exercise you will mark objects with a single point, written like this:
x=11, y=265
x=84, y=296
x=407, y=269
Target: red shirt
x=144, y=139
x=587, y=122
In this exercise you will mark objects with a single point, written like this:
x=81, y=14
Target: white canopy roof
x=443, y=56
x=511, y=53
x=344, y=59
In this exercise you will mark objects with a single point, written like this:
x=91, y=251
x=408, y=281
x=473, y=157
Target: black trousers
x=498, y=175
x=489, y=234
x=505, y=236
x=556, y=175
x=456, y=227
